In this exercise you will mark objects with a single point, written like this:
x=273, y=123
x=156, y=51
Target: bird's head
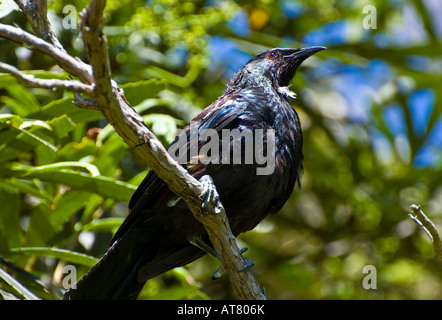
x=277, y=65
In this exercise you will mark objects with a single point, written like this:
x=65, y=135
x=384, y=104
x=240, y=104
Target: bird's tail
x=130, y=262
x=115, y=275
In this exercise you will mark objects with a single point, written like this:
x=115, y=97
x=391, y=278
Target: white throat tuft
x=285, y=91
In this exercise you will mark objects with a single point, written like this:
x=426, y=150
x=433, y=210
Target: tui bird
x=160, y=233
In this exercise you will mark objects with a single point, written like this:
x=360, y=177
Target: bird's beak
x=293, y=61
x=304, y=53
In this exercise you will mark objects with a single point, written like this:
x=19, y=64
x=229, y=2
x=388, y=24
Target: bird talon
x=243, y=250
x=209, y=194
x=218, y=273
x=248, y=264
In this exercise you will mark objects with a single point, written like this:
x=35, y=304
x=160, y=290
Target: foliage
x=370, y=107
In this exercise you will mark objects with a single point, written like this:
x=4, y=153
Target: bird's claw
x=243, y=250
x=247, y=265
x=218, y=273
x=209, y=195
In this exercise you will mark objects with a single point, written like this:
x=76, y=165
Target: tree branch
x=72, y=65
x=430, y=229
x=36, y=12
x=130, y=126
x=30, y=80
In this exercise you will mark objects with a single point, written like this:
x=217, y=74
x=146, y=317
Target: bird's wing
x=153, y=191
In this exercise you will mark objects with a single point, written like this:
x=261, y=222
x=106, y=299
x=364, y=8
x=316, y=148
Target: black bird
x=160, y=232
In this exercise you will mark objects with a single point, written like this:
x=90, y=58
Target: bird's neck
x=249, y=79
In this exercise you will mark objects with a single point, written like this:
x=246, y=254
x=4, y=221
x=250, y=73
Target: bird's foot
x=247, y=265
x=209, y=196
x=218, y=273
x=211, y=204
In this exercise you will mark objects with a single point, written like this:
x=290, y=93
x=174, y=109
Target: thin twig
x=422, y=220
x=30, y=80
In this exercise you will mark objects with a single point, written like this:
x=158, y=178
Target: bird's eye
x=271, y=55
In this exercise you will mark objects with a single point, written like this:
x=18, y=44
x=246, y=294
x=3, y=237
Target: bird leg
x=248, y=264
x=199, y=243
x=210, y=203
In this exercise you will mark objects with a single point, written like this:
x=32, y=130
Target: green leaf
x=17, y=286
x=8, y=296
x=9, y=118
x=27, y=187
x=147, y=104
x=24, y=143
x=62, y=254
x=135, y=92
x=111, y=154
x=8, y=121
x=93, y=204
x=153, y=71
x=65, y=107
x=36, y=140
x=23, y=102
x=61, y=125
x=47, y=221
x=103, y=225
x=20, y=140
x=57, y=167
x=10, y=217
x=177, y=292
x=163, y=125
x=105, y=186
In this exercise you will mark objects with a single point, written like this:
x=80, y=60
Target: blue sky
x=358, y=83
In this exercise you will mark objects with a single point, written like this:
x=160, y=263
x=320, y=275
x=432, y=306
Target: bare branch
x=72, y=65
x=36, y=12
x=30, y=80
x=422, y=220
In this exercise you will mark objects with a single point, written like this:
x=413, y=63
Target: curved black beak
x=293, y=60
x=304, y=53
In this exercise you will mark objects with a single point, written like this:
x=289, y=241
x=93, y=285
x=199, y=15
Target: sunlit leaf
x=17, y=286
x=66, y=255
